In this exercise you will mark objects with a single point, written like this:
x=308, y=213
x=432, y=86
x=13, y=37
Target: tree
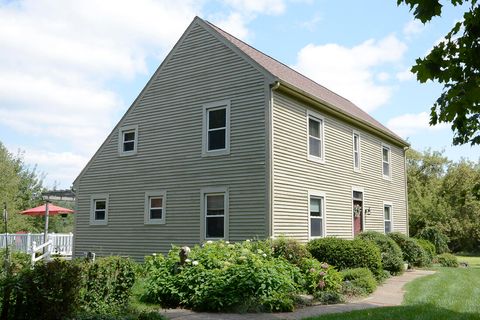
x=455, y=63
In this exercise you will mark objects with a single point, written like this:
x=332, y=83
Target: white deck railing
x=61, y=243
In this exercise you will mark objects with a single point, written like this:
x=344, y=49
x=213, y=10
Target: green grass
x=451, y=293
x=473, y=261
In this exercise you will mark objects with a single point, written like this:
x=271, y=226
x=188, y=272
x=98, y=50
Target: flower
x=322, y=273
x=312, y=270
x=259, y=251
x=264, y=255
x=195, y=263
x=321, y=284
x=188, y=260
x=209, y=241
x=154, y=254
x=324, y=265
x=227, y=242
x=248, y=240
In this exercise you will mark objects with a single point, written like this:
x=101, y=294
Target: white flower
x=209, y=241
x=264, y=255
x=227, y=242
x=248, y=240
x=195, y=263
x=154, y=254
x=188, y=260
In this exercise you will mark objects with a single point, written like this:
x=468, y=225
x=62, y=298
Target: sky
x=70, y=69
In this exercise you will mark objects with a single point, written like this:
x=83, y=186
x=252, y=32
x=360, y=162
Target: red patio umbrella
x=41, y=210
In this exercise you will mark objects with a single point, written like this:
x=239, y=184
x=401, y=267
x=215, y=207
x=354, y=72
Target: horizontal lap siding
x=294, y=175
x=169, y=119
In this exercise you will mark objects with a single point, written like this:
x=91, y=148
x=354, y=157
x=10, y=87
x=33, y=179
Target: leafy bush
x=358, y=281
x=429, y=249
x=48, y=291
x=290, y=249
x=18, y=261
x=223, y=277
x=435, y=236
x=412, y=252
x=346, y=254
x=107, y=284
x=392, y=259
x=447, y=260
x=320, y=276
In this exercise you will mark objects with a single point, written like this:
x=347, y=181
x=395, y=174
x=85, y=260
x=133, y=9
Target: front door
x=357, y=212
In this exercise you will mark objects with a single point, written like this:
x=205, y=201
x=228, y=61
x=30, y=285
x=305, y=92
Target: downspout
x=273, y=87
x=405, y=149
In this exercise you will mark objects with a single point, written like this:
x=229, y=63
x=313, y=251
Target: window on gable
x=99, y=209
x=216, y=128
x=315, y=138
x=387, y=216
x=316, y=216
x=128, y=139
x=386, y=162
x=214, y=215
x=155, y=207
x=356, y=152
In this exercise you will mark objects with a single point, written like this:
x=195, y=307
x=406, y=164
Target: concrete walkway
x=389, y=294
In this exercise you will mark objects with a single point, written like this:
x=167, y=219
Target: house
x=224, y=142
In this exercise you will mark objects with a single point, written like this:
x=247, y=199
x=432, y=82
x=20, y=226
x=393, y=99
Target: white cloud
x=411, y=124
x=383, y=76
x=350, y=71
x=234, y=24
x=405, y=75
x=312, y=23
x=412, y=28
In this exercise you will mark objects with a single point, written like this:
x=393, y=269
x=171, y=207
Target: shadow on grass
x=412, y=312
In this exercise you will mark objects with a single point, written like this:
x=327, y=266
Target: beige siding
x=169, y=119
x=294, y=175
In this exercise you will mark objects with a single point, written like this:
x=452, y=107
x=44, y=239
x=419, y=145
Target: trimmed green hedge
x=429, y=249
x=392, y=258
x=447, y=260
x=345, y=254
x=435, y=236
x=413, y=252
x=358, y=281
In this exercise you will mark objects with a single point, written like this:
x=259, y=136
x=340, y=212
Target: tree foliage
x=455, y=63
x=443, y=195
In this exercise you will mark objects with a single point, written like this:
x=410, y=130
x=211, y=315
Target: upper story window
x=356, y=151
x=155, y=207
x=387, y=217
x=128, y=140
x=315, y=144
x=216, y=132
x=386, y=168
x=316, y=215
x=99, y=209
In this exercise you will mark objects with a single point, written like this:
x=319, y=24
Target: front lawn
x=451, y=293
x=473, y=261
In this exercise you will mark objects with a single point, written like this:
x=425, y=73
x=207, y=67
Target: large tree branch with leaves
x=455, y=63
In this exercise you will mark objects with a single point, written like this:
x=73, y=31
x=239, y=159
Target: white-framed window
x=214, y=213
x=386, y=161
x=99, y=209
x=315, y=134
x=356, y=151
x=155, y=204
x=216, y=128
x=128, y=140
x=316, y=214
x=388, y=217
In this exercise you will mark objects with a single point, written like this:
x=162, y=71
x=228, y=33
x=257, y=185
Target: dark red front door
x=357, y=217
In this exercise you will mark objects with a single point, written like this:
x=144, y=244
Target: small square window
x=128, y=140
x=155, y=207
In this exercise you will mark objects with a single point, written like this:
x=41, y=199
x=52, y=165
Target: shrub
x=48, y=291
x=447, y=260
x=320, y=276
x=429, y=249
x=290, y=249
x=346, y=254
x=412, y=252
x=223, y=277
x=358, y=281
x=435, y=236
x=392, y=259
x=18, y=261
x=107, y=284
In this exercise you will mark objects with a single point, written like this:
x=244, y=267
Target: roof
x=303, y=83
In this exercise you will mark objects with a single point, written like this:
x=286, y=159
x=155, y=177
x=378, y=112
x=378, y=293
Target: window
x=386, y=162
x=316, y=208
x=387, y=216
x=315, y=143
x=215, y=213
x=155, y=207
x=99, y=209
x=128, y=137
x=356, y=151
x=216, y=122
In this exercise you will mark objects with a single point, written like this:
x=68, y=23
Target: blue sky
x=70, y=69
